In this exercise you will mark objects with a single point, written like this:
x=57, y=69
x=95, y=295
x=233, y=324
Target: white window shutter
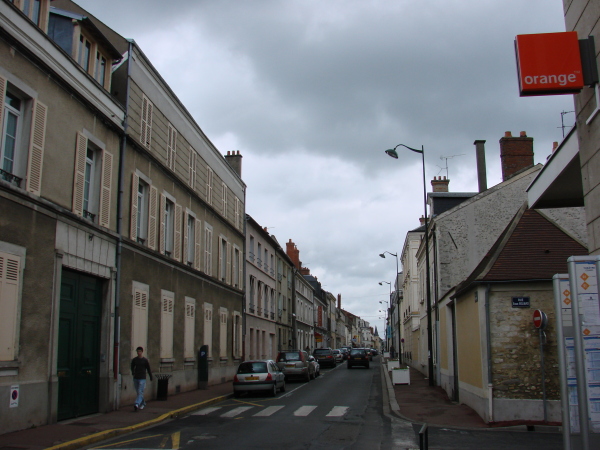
x=2, y=97
x=105, y=189
x=135, y=186
x=198, y=245
x=79, y=180
x=192, y=179
x=36, y=148
x=163, y=205
x=185, y=236
x=139, y=332
x=10, y=273
x=166, y=327
x=223, y=333
x=152, y=218
x=208, y=327
x=177, y=231
x=189, y=325
x=228, y=264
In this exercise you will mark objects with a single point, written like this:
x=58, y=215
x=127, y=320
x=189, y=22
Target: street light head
x=382, y=255
x=392, y=152
x=380, y=283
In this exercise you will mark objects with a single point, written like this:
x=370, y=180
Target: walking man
x=139, y=367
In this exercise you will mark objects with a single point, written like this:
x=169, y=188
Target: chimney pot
x=507, y=134
x=523, y=134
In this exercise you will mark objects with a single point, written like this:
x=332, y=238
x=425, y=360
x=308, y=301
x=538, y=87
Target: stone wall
x=516, y=368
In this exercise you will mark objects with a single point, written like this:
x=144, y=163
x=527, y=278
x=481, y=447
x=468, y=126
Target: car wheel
x=237, y=394
x=349, y=366
x=307, y=376
x=283, y=386
x=273, y=391
x=367, y=366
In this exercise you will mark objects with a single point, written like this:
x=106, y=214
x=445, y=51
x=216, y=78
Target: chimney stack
x=481, y=168
x=422, y=220
x=234, y=159
x=516, y=154
x=304, y=271
x=440, y=185
x=293, y=253
x=339, y=301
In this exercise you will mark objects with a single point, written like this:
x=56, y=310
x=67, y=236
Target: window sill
x=9, y=368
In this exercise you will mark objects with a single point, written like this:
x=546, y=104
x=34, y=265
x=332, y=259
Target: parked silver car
x=295, y=363
x=258, y=375
x=339, y=356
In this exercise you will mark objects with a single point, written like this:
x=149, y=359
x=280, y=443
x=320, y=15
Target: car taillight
x=269, y=377
x=235, y=379
x=329, y=356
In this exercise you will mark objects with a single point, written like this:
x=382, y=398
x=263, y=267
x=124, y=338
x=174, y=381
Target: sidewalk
x=416, y=402
x=85, y=431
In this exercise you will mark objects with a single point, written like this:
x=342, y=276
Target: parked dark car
x=295, y=363
x=325, y=357
x=358, y=357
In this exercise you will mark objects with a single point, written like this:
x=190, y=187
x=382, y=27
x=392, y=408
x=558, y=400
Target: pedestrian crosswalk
x=258, y=411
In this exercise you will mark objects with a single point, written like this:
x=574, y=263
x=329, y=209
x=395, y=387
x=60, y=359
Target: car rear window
x=322, y=351
x=252, y=367
x=357, y=352
x=289, y=356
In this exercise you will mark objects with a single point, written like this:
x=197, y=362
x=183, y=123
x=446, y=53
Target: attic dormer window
x=83, y=55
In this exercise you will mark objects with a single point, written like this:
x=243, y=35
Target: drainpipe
x=121, y=181
x=489, y=353
x=294, y=321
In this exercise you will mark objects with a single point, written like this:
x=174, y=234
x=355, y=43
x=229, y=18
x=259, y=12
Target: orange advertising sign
x=549, y=63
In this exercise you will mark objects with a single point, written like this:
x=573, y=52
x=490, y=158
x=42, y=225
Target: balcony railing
x=7, y=176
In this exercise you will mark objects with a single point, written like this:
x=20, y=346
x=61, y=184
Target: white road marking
x=338, y=411
x=268, y=411
x=304, y=411
x=206, y=411
x=237, y=411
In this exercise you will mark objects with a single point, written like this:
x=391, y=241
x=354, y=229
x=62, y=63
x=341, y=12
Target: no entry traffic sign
x=540, y=319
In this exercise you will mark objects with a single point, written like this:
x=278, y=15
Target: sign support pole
x=543, y=374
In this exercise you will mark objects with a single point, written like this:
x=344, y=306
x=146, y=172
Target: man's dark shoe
x=135, y=407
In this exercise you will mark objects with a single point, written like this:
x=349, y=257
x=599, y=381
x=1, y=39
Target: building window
x=21, y=147
x=100, y=69
x=146, y=122
x=84, y=52
x=208, y=249
x=237, y=335
x=93, y=181
x=32, y=9
x=167, y=225
x=236, y=272
x=171, y=147
x=209, y=185
x=142, y=211
x=251, y=249
x=224, y=260
x=189, y=240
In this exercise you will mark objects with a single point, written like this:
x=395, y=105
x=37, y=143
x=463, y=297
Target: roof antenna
x=446, y=167
x=562, y=121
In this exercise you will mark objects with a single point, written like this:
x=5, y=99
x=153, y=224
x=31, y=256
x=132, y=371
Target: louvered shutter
x=185, y=232
x=177, y=231
x=79, y=182
x=139, y=333
x=208, y=251
x=10, y=273
x=192, y=175
x=220, y=274
x=36, y=148
x=149, y=108
x=223, y=333
x=198, y=245
x=166, y=327
x=105, y=189
x=161, y=214
x=152, y=218
x=189, y=332
x=228, y=265
x=135, y=186
x=2, y=97
x=208, y=327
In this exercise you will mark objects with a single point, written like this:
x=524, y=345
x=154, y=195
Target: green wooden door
x=79, y=345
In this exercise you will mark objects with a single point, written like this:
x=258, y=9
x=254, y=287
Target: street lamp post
x=392, y=152
x=398, y=301
x=387, y=317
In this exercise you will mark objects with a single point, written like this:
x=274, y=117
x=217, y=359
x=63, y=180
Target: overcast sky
x=313, y=91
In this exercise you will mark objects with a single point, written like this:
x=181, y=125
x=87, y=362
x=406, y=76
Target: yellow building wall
x=468, y=340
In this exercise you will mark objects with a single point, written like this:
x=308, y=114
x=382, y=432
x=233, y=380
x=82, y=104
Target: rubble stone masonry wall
x=516, y=368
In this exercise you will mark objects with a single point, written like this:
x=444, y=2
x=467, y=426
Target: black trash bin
x=163, y=385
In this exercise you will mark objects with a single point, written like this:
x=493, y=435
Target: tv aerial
x=446, y=158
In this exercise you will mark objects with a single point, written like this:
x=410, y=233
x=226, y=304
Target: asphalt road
x=342, y=409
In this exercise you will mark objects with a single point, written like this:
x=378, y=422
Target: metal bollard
x=424, y=437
